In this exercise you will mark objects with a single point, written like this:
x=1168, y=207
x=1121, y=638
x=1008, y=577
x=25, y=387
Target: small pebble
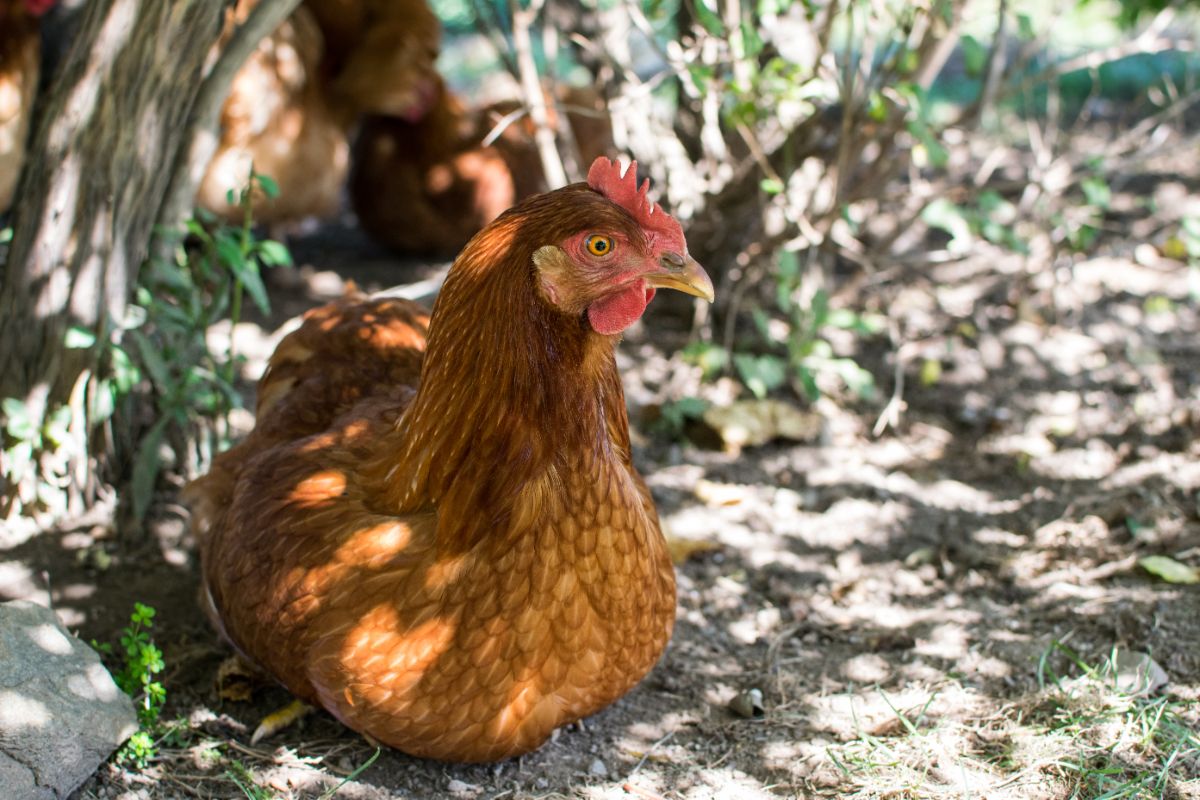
x=748, y=704
x=460, y=787
x=599, y=769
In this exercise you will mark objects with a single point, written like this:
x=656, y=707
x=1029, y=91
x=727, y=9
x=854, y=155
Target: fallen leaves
x=1169, y=569
x=750, y=423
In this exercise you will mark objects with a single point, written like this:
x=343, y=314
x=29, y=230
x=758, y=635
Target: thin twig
x=535, y=98
x=890, y=416
x=640, y=792
x=491, y=29
x=993, y=68
x=648, y=753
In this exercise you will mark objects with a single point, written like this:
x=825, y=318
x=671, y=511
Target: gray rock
x=61, y=714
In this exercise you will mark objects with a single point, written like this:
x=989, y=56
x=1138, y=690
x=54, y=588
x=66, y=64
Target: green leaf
x=125, y=373
x=876, y=107
x=711, y=358
x=79, y=338
x=761, y=374
x=974, y=55
x=857, y=379
x=251, y=279
x=1096, y=191
x=104, y=402
x=808, y=382
x=268, y=185
x=946, y=216
x=13, y=408
x=274, y=254
x=820, y=308
x=935, y=152
x=57, y=428
x=1169, y=569
x=753, y=40
x=1025, y=30
x=787, y=278
x=17, y=422
x=771, y=186
x=197, y=229
x=931, y=372
x=229, y=251
x=709, y=19
x=153, y=361
x=146, y=468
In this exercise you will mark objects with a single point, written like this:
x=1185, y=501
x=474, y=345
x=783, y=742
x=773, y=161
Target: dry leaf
x=749, y=423
x=1137, y=673
x=683, y=549
x=720, y=494
x=1170, y=570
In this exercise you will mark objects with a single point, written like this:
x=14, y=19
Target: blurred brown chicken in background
x=20, y=60
x=423, y=180
x=294, y=103
x=427, y=186
x=379, y=54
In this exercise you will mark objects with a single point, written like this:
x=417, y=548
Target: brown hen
x=380, y=54
x=293, y=103
x=458, y=563
x=20, y=59
x=427, y=186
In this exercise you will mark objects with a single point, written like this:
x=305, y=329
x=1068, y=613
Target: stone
x=61, y=714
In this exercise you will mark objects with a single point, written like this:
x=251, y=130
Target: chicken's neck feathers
x=514, y=407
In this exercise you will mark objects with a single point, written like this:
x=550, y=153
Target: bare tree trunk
x=108, y=133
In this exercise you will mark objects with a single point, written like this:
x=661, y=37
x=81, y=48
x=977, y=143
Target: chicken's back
x=343, y=355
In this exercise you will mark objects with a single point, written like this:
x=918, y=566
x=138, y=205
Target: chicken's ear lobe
x=553, y=272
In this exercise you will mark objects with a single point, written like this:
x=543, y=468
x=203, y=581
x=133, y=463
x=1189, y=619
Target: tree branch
x=535, y=98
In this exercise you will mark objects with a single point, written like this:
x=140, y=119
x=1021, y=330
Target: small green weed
x=194, y=386
x=141, y=662
x=806, y=353
x=160, y=349
x=675, y=415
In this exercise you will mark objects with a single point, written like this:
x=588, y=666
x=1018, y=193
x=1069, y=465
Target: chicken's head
x=622, y=248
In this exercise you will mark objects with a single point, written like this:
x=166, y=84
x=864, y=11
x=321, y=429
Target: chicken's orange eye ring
x=598, y=244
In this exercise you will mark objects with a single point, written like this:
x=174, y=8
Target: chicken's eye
x=598, y=245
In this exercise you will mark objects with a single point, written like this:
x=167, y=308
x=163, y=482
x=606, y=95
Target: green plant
x=195, y=386
x=674, y=416
x=1126, y=744
x=989, y=216
x=160, y=344
x=806, y=352
x=141, y=662
x=241, y=776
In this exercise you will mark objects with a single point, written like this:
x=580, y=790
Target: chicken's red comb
x=606, y=178
x=38, y=7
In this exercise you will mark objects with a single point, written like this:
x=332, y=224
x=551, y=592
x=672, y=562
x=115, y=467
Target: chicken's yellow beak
x=682, y=273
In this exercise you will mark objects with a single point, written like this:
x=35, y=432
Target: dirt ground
x=902, y=601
